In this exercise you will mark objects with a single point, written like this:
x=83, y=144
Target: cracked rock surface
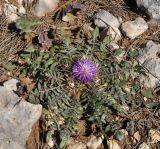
x=152, y=8
x=16, y=117
x=149, y=57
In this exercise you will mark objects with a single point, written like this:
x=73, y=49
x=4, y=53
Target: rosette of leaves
x=99, y=102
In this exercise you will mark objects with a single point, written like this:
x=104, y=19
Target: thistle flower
x=84, y=70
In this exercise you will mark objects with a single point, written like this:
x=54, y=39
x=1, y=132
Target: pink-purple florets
x=84, y=70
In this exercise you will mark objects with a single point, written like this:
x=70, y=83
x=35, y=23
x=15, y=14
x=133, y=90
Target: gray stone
x=16, y=117
x=114, y=33
x=104, y=19
x=133, y=29
x=11, y=84
x=149, y=57
x=45, y=6
x=12, y=11
x=152, y=7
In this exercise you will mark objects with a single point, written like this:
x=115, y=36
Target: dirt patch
x=33, y=140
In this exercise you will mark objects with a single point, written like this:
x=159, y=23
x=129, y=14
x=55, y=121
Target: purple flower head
x=84, y=70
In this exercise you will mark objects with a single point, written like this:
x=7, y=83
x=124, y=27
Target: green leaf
x=133, y=53
x=26, y=56
x=49, y=62
x=49, y=135
x=118, y=52
x=26, y=24
x=147, y=93
x=30, y=49
x=119, y=135
x=9, y=66
x=66, y=41
x=95, y=33
x=107, y=40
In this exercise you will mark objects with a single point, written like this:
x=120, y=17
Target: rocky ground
x=131, y=25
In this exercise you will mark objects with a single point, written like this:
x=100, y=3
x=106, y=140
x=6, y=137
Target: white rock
x=149, y=58
x=77, y=145
x=51, y=143
x=152, y=8
x=136, y=136
x=16, y=117
x=21, y=9
x=154, y=135
x=145, y=98
x=133, y=29
x=144, y=146
x=113, y=144
x=45, y=6
x=94, y=142
x=125, y=132
x=104, y=19
x=11, y=84
x=10, y=12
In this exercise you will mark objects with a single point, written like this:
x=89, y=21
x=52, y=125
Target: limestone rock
x=11, y=11
x=152, y=8
x=133, y=29
x=104, y=19
x=115, y=34
x=94, y=142
x=16, y=117
x=149, y=57
x=144, y=146
x=136, y=137
x=45, y=6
